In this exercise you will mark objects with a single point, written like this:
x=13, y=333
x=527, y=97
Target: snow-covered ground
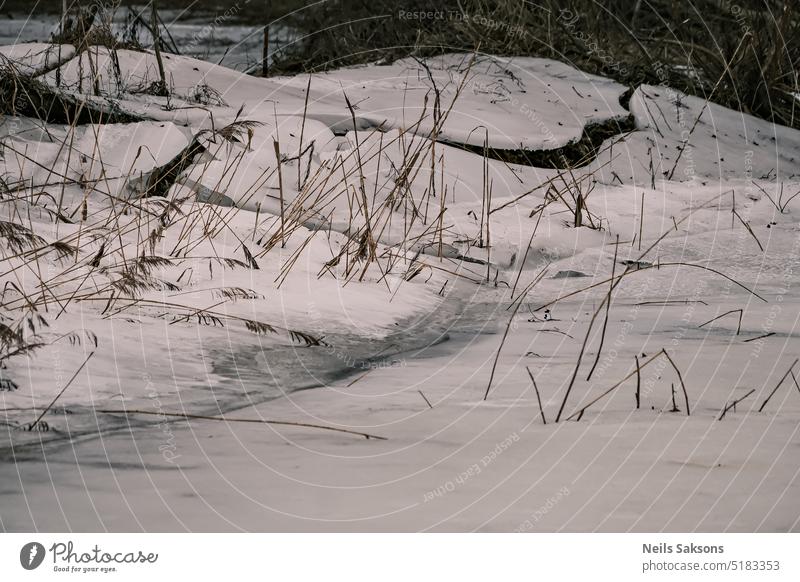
x=363, y=265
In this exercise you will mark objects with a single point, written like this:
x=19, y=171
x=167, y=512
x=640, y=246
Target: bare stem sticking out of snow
x=774, y=390
x=242, y=420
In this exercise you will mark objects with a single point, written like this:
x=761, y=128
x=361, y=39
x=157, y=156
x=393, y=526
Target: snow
x=523, y=103
x=36, y=57
x=722, y=145
x=515, y=100
x=409, y=343
x=118, y=155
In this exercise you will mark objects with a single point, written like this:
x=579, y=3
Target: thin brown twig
x=505, y=334
x=680, y=377
x=738, y=327
x=774, y=390
x=187, y=416
x=425, y=399
x=733, y=404
x=752, y=339
x=749, y=229
x=608, y=308
x=608, y=391
x=538, y=397
x=67, y=385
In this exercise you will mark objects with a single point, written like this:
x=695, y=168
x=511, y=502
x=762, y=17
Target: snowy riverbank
x=235, y=240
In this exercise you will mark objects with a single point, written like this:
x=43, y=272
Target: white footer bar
x=400, y=557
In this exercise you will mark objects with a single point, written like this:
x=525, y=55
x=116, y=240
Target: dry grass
x=97, y=266
x=117, y=260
